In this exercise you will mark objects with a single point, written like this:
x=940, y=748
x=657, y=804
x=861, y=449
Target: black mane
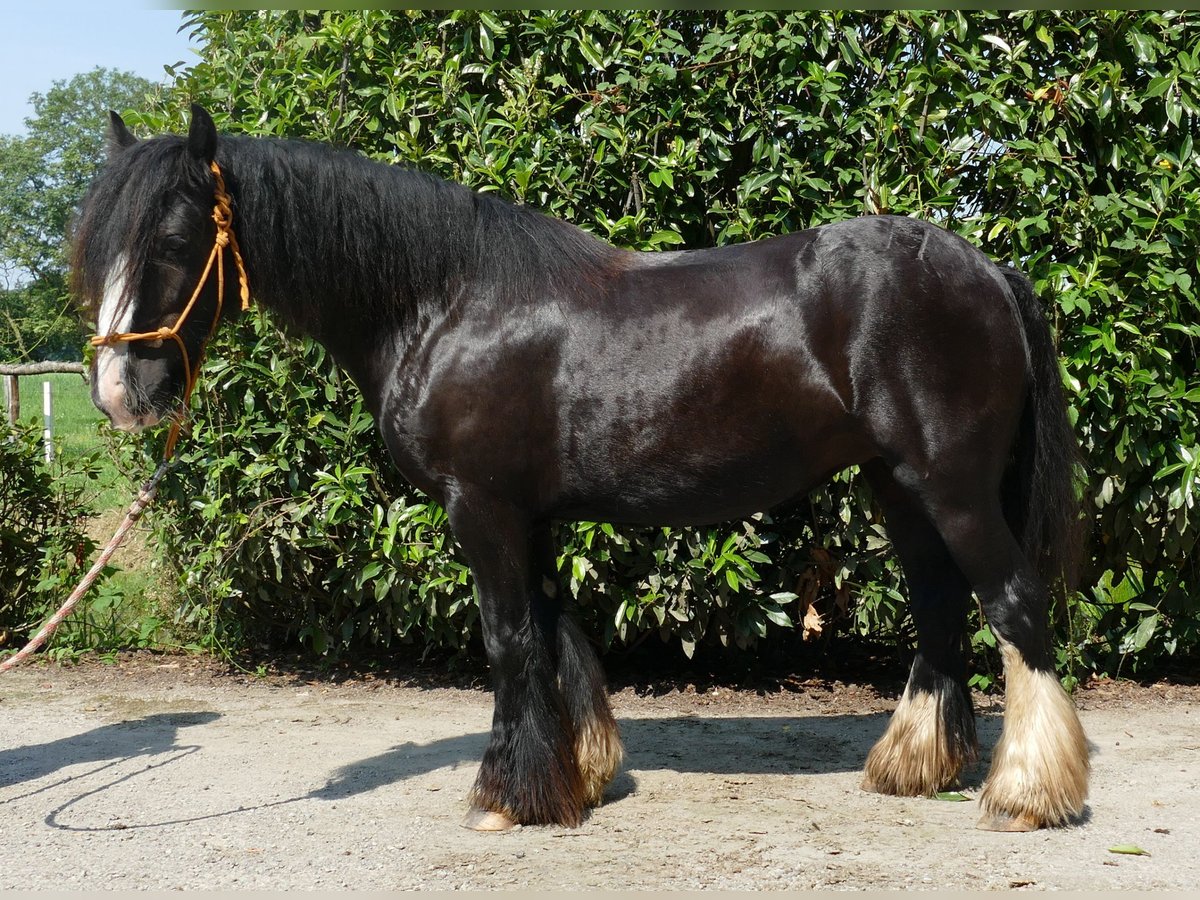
x=327, y=231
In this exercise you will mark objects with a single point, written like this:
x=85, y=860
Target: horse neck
x=357, y=253
x=319, y=247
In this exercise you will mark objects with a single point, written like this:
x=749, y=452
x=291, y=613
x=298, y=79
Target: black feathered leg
x=529, y=773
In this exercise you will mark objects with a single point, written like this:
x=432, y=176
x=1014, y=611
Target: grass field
x=77, y=430
x=75, y=417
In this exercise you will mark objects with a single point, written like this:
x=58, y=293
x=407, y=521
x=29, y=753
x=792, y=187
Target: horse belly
x=682, y=463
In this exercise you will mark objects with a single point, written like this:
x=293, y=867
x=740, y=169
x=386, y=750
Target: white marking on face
x=112, y=362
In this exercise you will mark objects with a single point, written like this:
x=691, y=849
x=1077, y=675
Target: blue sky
x=46, y=42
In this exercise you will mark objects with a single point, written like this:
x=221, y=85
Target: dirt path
x=166, y=774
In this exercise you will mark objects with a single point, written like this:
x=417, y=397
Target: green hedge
x=1063, y=142
x=44, y=548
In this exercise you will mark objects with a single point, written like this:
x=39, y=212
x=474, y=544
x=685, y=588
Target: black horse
x=522, y=371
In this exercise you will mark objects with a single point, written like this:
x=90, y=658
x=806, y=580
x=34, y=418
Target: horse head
x=150, y=247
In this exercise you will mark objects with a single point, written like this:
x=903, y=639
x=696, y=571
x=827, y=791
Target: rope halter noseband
x=223, y=216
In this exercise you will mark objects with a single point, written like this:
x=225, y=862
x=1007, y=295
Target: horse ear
x=119, y=136
x=202, y=136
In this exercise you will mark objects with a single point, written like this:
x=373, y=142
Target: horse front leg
x=529, y=774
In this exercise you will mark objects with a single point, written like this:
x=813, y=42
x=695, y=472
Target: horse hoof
x=1002, y=822
x=486, y=820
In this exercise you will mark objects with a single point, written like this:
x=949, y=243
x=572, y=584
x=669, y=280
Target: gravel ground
x=174, y=773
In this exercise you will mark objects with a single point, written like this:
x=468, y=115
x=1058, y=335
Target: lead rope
x=225, y=237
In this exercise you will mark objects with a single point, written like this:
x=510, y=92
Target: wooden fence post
x=12, y=391
x=12, y=385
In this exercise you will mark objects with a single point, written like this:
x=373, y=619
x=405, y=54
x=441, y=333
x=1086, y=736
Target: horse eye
x=174, y=243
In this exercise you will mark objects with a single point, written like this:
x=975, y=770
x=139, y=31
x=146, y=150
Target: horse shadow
x=687, y=743
x=724, y=745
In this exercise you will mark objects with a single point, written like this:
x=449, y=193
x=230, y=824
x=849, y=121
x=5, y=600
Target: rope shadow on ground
x=148, y=736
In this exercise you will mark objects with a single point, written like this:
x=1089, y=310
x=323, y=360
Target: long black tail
x=1040, y=494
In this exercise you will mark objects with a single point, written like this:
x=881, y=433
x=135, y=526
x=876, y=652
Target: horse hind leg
x=931, y=735
x=1040, y=766
x=1039, y=771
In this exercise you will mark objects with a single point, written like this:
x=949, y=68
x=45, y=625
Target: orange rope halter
x=223, y=216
